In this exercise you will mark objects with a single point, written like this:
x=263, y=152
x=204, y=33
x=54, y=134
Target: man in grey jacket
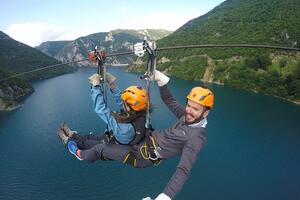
x=186, y=138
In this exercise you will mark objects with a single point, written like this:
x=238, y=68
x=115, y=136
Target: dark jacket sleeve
x=171, y=102
x=188, y=157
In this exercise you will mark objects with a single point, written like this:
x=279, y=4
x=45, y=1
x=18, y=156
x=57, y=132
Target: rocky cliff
x=113, y=41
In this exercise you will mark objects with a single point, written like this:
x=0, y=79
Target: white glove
x=162, y=196
x=110, y=78
x=160, y=78
x=95, y=79
x=147, y=198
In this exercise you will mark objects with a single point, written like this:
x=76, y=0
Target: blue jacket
x=123, y=132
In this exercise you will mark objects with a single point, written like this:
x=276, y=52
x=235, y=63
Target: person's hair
x=127, y=117
x=206, y=108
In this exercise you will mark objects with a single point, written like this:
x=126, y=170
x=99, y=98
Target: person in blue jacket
x=125, y=127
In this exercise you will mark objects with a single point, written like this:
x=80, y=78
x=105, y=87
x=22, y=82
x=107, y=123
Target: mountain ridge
x=16, y=57
x=266, y=22
x=118, y=40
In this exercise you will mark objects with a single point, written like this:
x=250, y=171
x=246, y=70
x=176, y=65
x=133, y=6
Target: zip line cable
x=42, y=68
x=164, y=49
x=231, y=46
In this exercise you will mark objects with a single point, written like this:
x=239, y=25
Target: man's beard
x=195, y=119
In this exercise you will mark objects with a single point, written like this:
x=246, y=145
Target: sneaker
x=62, y=136
x=67, y=130
x=72, y=146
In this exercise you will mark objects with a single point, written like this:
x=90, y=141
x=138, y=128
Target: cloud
x=35, y=33
x=165, y=20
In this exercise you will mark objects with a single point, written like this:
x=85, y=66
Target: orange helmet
x=202, y=96
x=135, y=97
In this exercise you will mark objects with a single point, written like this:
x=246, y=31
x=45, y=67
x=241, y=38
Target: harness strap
x=148, y=149
x=130, y=157
x=110, y=138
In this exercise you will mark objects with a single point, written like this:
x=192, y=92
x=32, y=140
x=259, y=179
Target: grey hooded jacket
x=180, y=139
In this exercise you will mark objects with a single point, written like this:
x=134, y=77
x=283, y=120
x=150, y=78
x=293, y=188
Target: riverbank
x=11, y=95
x=9, y=106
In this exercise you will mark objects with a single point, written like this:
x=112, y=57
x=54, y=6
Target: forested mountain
x=16, y=57
x=113, y=41
x=272, y=22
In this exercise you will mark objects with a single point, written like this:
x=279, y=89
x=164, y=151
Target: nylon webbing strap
x=150, y=146
x=150, y=47
x=102, y=71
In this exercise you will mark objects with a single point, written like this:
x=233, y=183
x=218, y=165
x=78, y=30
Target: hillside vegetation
x=16, y=57
x=272, y=22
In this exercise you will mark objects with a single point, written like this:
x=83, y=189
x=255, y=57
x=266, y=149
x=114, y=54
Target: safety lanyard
x=150, y=47
x=100, y=55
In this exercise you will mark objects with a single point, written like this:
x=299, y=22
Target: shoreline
x=3, y=108
x=16, y=104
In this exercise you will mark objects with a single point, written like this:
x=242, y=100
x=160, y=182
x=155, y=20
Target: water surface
x=252, y=150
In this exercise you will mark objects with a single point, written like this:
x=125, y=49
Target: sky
x=35, y=21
